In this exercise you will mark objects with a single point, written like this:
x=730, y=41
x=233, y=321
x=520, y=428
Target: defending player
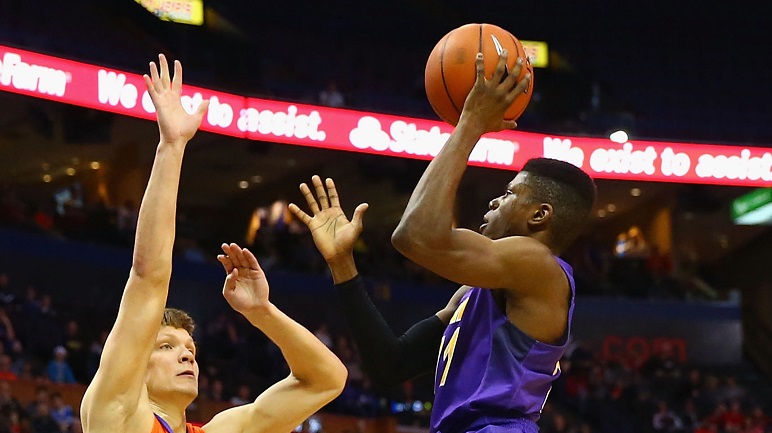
x=148, y=373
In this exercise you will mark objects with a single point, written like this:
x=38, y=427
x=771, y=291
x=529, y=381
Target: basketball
x=451, y=73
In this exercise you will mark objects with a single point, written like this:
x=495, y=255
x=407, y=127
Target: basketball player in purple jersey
x=502, y=335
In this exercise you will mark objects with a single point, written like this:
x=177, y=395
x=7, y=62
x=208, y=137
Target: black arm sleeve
x=388, y=360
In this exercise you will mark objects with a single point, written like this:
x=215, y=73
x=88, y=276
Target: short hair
x=178, y=319
x=569, y=190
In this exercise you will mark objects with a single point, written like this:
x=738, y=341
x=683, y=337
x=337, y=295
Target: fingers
x=149, y=84
x=501, y=68
x=310, y=199
x=321, y=193
x=238, y=256
x=230, y=279
x=177, y=79
x=226, y=262
x=154, y=78
x=520, y=88
x=511, y=80
x=299, y=214
x=250, y=259
x=509, y=124
x=332, y=192
x=479, y=65
x=165, y=79
x=359, y=214
x=235, y=254
x=201, y=110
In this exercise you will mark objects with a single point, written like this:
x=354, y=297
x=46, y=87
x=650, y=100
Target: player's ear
x=540, y=216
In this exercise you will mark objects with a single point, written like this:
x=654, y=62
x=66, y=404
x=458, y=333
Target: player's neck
x=171, y=413
x=545, y=238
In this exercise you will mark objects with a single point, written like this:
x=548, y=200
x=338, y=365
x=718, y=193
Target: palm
x=334, y=235
x=250, y=290
x=174, y=122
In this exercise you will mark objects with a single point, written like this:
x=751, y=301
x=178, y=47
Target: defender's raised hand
x=334, y=235
x=246, y=288
x=174, y=123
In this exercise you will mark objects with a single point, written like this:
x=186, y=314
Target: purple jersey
x=490, y=373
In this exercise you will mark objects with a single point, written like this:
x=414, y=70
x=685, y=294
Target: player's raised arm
x=316, y=377
x=426, y=232
x=116, y=400
x=388, y=359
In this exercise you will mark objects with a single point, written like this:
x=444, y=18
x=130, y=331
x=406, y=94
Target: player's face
x=509, y=212
x=172, y=369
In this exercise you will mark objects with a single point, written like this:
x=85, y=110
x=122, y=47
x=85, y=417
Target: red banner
x=119, y=92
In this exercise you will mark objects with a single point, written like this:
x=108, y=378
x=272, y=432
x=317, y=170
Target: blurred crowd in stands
x=629, y=268
x=660, y=394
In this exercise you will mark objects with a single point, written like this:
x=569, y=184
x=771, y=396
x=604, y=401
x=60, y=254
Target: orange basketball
x=450, y=70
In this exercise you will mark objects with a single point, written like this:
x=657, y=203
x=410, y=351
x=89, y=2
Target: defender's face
x=509, y=212
x=172, y=369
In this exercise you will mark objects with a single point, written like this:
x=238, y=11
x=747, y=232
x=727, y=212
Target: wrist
x=342, y=268
x=259, y=314
x=178, y=143
x=471, y=125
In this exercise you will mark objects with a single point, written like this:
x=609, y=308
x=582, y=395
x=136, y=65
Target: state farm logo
x=34, y=78
x=407, y=138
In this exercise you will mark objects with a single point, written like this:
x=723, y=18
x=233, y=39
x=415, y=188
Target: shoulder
x=524, y=243
x=102, y=413
x=523, y=256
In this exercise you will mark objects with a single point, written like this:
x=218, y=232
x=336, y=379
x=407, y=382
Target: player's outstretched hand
x=174, y=123
x=334, y=235
x=246, y=288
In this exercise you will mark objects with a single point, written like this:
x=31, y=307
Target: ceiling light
x=70, y=171
x=257, y=179
x=95, y=165
x=46, y=178
x=601, y=213
x=611, y=207
x=243, y=184
x=635, y=192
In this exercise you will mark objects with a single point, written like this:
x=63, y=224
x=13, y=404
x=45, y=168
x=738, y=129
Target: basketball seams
x=442, y=74
x=480, y=39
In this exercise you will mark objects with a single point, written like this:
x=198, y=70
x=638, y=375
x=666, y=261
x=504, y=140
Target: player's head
x=172, y=372
x=549, y=199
